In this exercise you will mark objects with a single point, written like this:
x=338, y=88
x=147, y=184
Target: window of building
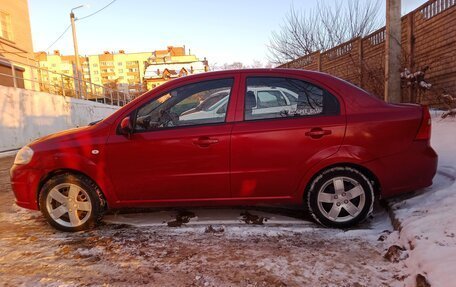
x=6, y=31
x=268, y=98
x=95, y=72
x=95, y=65
x=119, y=64
x=120, y=70
x=106, y=63
x=174, y=108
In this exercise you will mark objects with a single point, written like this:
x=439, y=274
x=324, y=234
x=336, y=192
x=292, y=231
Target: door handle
x=317, y=133
x=205, y=141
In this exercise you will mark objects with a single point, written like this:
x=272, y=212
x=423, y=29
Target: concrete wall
x=26, y=115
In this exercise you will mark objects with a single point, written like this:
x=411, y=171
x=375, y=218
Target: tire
x=71, y=202
x=340, y=197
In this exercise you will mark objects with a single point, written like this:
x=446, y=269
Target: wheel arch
x=48, y=176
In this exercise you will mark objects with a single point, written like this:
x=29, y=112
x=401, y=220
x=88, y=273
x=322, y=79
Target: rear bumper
x=25, y=182
x=407, y=171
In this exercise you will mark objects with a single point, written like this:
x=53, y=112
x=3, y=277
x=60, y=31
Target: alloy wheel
x=341, y=199
x=69, y=205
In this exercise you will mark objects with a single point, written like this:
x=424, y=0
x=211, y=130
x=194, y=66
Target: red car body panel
x=270, y=160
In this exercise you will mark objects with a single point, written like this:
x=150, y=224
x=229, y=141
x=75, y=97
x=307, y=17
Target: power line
x=85, y=17
x=90, y=15
x=61, y=35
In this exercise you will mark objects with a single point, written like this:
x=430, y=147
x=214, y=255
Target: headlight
x=24, y=156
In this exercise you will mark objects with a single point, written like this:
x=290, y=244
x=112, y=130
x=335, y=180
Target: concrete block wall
x=27, y=115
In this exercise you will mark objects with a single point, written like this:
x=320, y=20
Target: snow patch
x=428, y=219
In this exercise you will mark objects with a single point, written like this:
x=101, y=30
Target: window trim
x=247, y=76
x=133, y=113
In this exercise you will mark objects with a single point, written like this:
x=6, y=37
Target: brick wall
x=428, y=40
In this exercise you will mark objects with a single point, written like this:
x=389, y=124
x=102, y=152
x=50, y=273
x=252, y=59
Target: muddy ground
x=281, y=253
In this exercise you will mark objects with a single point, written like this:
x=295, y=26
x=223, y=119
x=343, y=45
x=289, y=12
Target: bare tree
x=324, y=27
x=240, y=65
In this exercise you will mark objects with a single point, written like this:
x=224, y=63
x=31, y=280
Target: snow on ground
x=428, y=217
x=236, y=254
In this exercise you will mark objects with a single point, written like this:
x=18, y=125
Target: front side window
x=275, y=97
x=178, y=107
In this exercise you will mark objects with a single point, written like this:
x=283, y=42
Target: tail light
x=424, y=132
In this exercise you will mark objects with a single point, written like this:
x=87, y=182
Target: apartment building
x=119, y=70
x=56, y=64
x=16, y=47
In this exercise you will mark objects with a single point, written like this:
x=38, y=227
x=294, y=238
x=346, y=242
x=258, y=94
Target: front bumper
x=25, y=182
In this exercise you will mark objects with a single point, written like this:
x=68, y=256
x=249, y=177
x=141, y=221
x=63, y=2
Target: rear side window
x=276, y=97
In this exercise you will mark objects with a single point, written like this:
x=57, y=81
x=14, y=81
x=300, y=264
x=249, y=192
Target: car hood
x=70, y=137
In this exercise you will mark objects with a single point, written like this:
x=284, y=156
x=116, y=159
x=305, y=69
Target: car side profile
x=310, y=139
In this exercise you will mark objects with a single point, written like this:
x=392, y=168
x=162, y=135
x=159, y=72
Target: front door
x=172, y=157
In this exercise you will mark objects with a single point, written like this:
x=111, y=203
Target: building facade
x=16, y=48
x=122, y=71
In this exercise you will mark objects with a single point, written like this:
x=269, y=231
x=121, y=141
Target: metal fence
x=20, y=75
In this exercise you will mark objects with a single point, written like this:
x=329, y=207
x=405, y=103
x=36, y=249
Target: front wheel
x=340, y=197
x=71, y=202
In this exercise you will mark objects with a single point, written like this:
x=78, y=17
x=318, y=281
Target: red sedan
x=266, y=136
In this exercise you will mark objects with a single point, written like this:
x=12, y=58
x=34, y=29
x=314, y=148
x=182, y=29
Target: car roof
x=258, y=70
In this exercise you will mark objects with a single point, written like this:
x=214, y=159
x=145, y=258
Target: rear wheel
x=71, y=202
x=340, y=197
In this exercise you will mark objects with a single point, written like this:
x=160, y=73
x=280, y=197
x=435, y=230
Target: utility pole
x=393, y=52
x=76, y=52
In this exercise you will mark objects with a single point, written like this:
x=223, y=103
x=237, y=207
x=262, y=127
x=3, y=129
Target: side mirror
x=125, y=126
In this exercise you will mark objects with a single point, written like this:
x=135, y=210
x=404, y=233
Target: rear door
x=271, y=150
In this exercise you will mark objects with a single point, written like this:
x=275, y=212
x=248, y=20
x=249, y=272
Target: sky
x=222, y=31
